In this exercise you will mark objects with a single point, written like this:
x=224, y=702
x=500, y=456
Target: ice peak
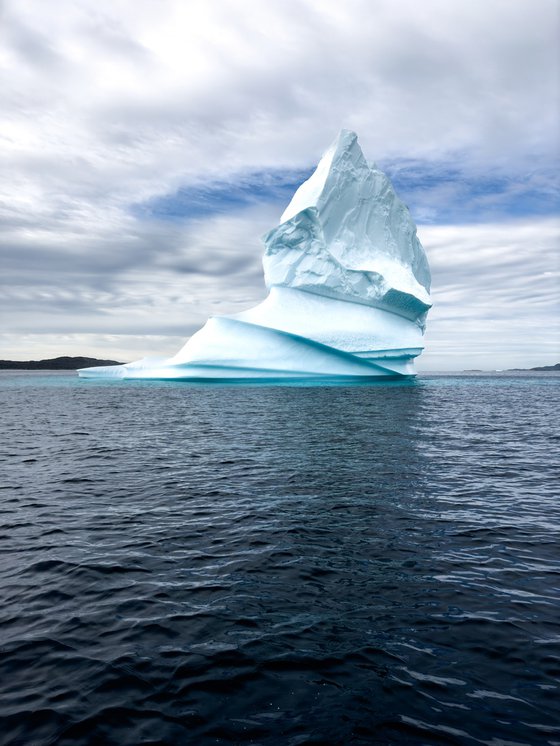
x=345, y=142
x=343, y=155
x=360, y=221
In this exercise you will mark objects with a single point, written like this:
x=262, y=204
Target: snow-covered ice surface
x=349, y=290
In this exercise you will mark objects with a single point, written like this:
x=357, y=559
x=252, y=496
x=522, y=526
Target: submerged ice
x=348, y=288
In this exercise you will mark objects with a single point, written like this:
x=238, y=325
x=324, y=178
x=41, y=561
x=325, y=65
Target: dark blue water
x=212, y=565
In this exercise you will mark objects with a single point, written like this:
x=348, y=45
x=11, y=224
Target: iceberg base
x=234, y=348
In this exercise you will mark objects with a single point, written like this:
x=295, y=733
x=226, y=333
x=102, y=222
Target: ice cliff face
x=347, y=235
x=349, y=289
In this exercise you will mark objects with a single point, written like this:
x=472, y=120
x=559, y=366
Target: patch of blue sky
x=434, y=193
x=223, y=197
x=438, y=194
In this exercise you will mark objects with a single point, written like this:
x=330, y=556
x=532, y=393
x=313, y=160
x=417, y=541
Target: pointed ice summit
x=349, y=290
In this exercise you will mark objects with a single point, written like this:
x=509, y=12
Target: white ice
x=348, y=287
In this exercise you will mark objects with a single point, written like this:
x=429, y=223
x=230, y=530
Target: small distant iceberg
x=349, y=290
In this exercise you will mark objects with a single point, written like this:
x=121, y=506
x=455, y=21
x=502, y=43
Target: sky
x=146, y=146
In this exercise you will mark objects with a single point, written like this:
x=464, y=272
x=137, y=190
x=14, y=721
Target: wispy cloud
x=495, y=292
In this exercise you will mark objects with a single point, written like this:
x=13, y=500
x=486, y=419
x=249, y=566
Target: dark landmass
x=56, y=363
x=548, y=367
x=543, y=368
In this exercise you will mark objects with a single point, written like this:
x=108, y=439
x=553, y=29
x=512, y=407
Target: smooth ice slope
x=349, y=289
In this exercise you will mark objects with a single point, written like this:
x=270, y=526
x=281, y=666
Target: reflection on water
x=287, y=565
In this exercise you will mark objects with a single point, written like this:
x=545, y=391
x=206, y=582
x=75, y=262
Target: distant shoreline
x=55, y=363
x=538, y=369
x=73, y=363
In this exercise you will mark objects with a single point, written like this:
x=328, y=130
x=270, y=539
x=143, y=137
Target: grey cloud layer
x=495, y=294
x=496, y=301
x=139, y=96
x=109, y=105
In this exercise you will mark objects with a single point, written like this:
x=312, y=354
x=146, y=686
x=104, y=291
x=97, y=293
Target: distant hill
x=56, y=363
x=541, y=368
x=547, y=367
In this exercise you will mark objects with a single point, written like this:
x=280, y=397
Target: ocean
x=209, y=564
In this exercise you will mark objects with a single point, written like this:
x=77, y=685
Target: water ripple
x=207, y=564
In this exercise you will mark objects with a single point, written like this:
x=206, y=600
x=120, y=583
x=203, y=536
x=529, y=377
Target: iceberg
x=349, y=290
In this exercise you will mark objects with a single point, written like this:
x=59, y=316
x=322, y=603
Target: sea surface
x=185, y=564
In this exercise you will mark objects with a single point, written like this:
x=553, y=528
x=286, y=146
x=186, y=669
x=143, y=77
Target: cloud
x=495, y=293
x=146, y=146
